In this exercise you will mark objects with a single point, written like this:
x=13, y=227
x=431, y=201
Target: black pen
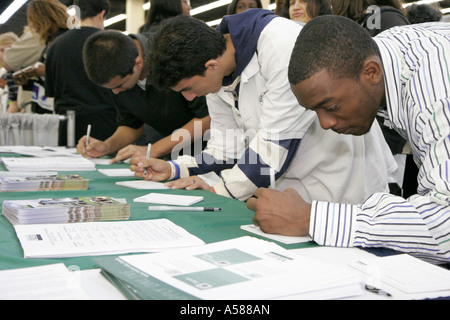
x=377, y=291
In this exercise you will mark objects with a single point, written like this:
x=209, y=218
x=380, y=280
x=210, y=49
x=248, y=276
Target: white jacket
x=325, y=166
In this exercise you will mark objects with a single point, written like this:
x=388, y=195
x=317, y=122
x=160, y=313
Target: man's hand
x=190, y=183
x=151, y=169
x=94, y=149
x=129, y=152
x=284, y=213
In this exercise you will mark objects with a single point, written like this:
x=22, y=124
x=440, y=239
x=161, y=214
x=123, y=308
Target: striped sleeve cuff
x=332, y=224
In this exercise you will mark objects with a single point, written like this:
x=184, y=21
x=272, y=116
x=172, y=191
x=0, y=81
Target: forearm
x=418, y=226
x=185, y=136
x=122, y=137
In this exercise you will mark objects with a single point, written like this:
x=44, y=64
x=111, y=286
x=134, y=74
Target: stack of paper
x=142, y=184
x=43, y=182
x=48, y=163
x=35, y=151
x=405, y=277
x=242, y=268
x=52, y=282
x=100, y=238
x=170, y=199
x=63, y=210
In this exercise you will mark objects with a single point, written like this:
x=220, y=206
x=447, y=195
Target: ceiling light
x=115, y=19
x=201, y=9
x=13, y=7
x=420, y=2
x=210, y=6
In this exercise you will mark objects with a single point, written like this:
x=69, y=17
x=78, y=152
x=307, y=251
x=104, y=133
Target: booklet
x=239, y=269
x=170, y=199
x=48, y=163
x=126, y=172
x=43, y=182
x=50, y=282
x=102, y=238
x=142, y=184
x=64, y=210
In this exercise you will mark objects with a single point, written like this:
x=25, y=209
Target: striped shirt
x=416, y=63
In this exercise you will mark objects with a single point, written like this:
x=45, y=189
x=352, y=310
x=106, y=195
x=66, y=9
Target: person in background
x=25, y=52
x=117, y=62
x=279, y=7
x=391, y=13
x=260, y=135
x=358, y=77
x=420, y=13
x=47, y=19
x=304, y=10
x=238, y=6
x=163, y=9
x=6, y=41
x=67, y=81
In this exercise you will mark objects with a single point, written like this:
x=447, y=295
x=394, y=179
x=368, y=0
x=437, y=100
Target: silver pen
x=149, y=149
x=173, y=208
x=88, y=134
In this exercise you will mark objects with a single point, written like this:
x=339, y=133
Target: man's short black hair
x=107, y=54
x=180, y=49
x=332, y=43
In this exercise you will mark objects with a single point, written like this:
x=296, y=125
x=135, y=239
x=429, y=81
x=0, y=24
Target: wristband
x=175, y=170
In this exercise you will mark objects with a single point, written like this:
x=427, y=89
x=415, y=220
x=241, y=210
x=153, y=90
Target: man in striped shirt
x=346, y=77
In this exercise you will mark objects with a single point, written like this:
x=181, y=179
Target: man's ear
x=138, y=62
x=372, y=70
x=212, y=64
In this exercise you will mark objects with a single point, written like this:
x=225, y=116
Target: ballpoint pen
x=377, y=291
x=149, y=149
x=272, y=178
x=88, y=134
x=170, y=208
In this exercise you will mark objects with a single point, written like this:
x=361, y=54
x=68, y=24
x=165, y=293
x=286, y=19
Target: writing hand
x=157, y=169
x=94, y=149
x=284, y=213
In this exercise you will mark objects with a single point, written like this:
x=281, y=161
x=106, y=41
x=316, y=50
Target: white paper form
x=283, y=239
x=100, y=238
x=50, y=282
x=142, y=184
x=412, y=277
x=170, y=199
x=48, y=163
x=126, y=172
x=245, y=268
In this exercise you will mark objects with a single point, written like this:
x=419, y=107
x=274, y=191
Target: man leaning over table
x=402, y=74
x=257, y=126
x=116, y=61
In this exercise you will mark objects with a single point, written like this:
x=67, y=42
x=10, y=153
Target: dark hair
x=90, y=8
x=232, y=6
x=418, y=13
x=180, y=49
x=314, y=8
x=160, y=10
x=356, y=9
x=332, y=43
x=107, y=54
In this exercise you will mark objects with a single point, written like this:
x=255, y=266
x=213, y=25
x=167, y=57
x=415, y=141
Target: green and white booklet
x=242, y=268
